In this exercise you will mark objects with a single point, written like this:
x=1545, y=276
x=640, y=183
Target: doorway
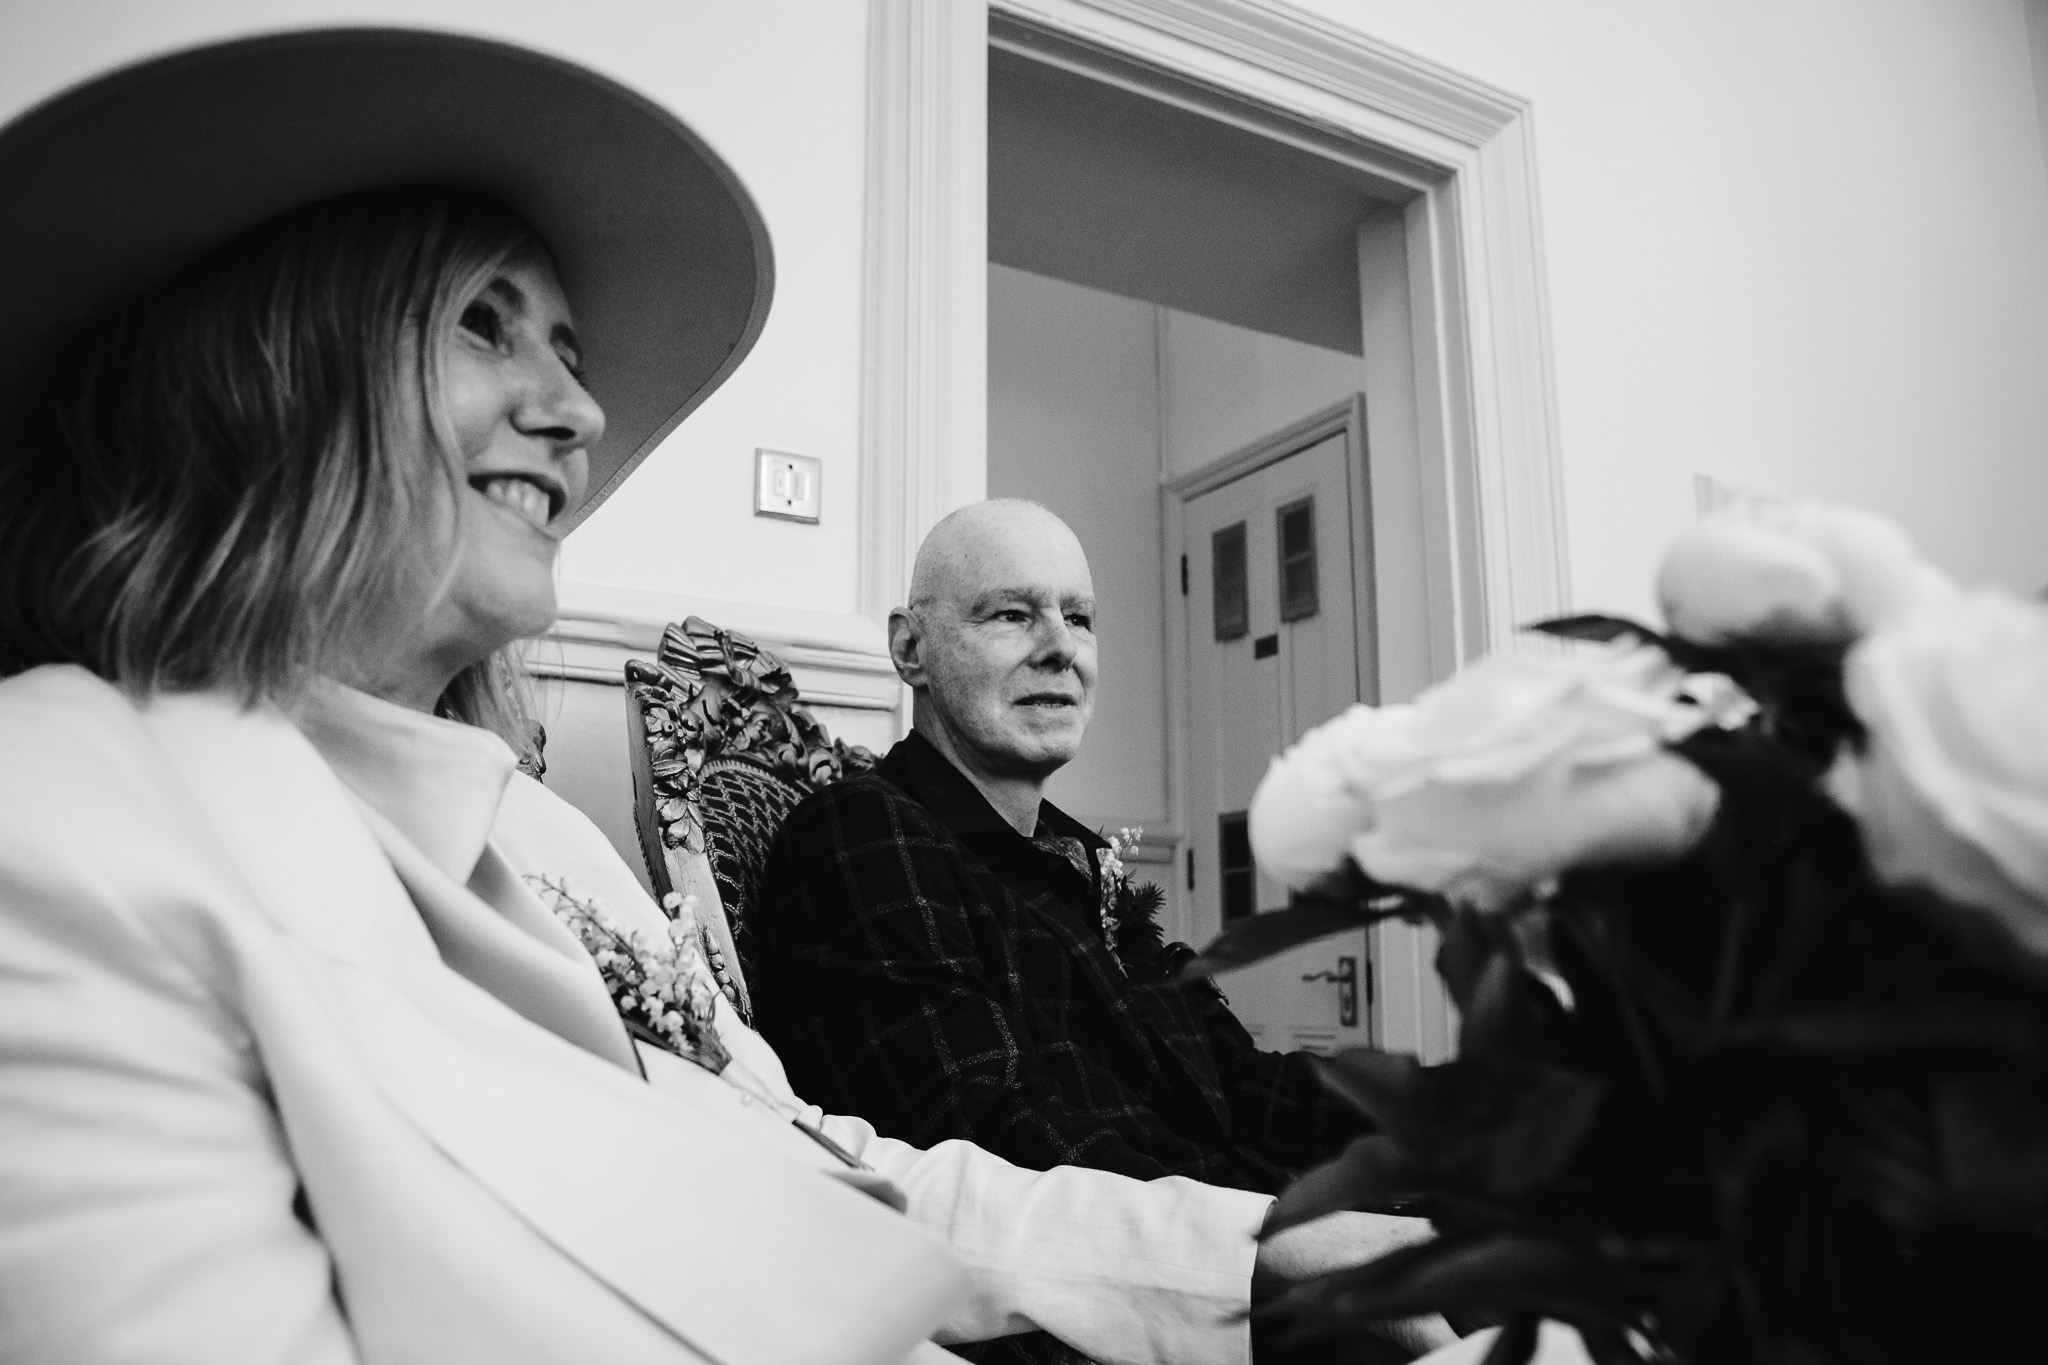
x=1277, y=626
x=1169, y=294
x=1444, y=288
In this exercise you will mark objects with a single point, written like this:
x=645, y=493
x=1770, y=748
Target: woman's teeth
x=522, y=497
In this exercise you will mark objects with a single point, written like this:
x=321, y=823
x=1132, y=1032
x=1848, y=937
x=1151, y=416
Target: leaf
x=1892, y=1028
x=1547, y=1128
x=1369, y=1171
x=1489, y=1125
x=1597, y=629
x=1516, y=1342
x=1344, y=898
x=1608, y=1344
x=1511, y=1272
x=1532, y=945
x=1380, y=1085
x=1501, y=1015
x=1470, y=942
x=1993, y=1135
x=1275, y=931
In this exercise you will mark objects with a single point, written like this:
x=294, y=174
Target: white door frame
x=1485, y=451
x=1476, y=455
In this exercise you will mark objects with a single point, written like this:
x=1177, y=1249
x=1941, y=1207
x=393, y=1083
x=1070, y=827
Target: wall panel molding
x=838, y=659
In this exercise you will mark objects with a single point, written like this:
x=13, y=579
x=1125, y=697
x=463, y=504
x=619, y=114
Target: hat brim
x=116, y=184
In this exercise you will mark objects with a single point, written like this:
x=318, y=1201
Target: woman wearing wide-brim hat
x=297, y=413
x=315, y=347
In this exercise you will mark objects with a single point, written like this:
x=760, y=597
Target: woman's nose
x=558, y=409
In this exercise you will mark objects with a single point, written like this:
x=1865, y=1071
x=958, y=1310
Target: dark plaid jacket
x=921, y=964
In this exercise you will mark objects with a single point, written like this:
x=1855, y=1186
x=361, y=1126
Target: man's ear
x=906, y=646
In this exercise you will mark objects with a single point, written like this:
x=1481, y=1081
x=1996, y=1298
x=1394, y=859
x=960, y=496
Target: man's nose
x=1058, y=645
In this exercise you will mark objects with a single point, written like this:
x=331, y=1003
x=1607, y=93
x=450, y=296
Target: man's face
x=1006, y=654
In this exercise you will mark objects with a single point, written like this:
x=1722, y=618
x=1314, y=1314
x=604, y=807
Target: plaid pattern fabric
x=921, y=964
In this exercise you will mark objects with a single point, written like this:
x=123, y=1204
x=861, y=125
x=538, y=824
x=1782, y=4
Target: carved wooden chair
x=722, y=752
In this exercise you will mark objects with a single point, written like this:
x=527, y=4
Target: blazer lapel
x=555, y=988
x=745, y=1255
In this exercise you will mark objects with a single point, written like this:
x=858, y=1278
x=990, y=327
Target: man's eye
x=1080, y=620
x=482, y=321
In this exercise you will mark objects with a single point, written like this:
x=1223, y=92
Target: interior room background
x=1796, y=246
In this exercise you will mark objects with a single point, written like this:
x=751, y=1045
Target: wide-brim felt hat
x=116, y=184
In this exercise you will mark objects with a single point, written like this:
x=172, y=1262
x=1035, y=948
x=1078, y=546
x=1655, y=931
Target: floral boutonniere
x=663, y=990
x=1113, y=879
x=1129, y=909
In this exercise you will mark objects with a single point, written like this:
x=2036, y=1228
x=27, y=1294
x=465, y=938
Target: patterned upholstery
x=722, y=752
x=742, y=804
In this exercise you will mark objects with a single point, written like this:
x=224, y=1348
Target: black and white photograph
x=1034, y=682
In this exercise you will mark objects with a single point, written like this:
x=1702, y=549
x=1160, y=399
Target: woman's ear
x=906, y=646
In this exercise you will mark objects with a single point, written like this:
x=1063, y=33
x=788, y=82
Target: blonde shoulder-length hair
x=226, y=489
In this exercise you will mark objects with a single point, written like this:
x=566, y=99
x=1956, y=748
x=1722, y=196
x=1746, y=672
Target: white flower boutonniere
x=1114, y=887
x=664, y=991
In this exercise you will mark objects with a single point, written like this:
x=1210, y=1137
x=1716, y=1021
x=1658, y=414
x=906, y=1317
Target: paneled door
x=1272, y=646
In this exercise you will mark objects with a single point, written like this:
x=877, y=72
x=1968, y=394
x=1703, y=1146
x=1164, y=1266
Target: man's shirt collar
x=950, y=795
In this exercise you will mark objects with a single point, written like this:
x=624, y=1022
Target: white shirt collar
x=438, y=781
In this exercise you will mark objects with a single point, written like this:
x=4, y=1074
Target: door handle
x=1346, y=977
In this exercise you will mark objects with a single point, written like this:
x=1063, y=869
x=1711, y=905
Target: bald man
x=930, y=951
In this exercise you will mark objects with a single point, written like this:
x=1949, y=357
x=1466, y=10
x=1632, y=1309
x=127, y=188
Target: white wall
x=1227, y=387
x=779, y=88
x=1093, y=399
x=1073, y=422
x=1799, y=244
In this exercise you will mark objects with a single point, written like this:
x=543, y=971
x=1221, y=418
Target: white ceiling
x=1102, y=187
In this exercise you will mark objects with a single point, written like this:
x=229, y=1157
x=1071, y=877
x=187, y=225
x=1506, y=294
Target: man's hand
x=1331, y=1242
x=1338, y=1240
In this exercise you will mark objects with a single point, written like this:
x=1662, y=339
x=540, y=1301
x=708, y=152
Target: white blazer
x=1127, y=1272
x=251, y=1109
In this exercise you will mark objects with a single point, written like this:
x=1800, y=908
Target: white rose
x=1305, y=813
x=1509, y=773
x=1951, y=790
x=1792, y=573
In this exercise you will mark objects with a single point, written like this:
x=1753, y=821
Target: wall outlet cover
x=788, y=487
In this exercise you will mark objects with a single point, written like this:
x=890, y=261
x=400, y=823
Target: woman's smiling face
x=522, y=424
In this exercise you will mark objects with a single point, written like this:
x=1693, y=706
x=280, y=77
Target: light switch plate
x=788, y=487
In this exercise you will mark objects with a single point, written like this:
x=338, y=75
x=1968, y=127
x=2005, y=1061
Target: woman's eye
x=482, y=321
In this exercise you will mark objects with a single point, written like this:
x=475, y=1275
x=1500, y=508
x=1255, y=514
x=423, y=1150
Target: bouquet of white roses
x=1747, y=924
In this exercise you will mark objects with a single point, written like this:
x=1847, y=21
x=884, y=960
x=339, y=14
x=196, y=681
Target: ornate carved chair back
x=722, y=752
